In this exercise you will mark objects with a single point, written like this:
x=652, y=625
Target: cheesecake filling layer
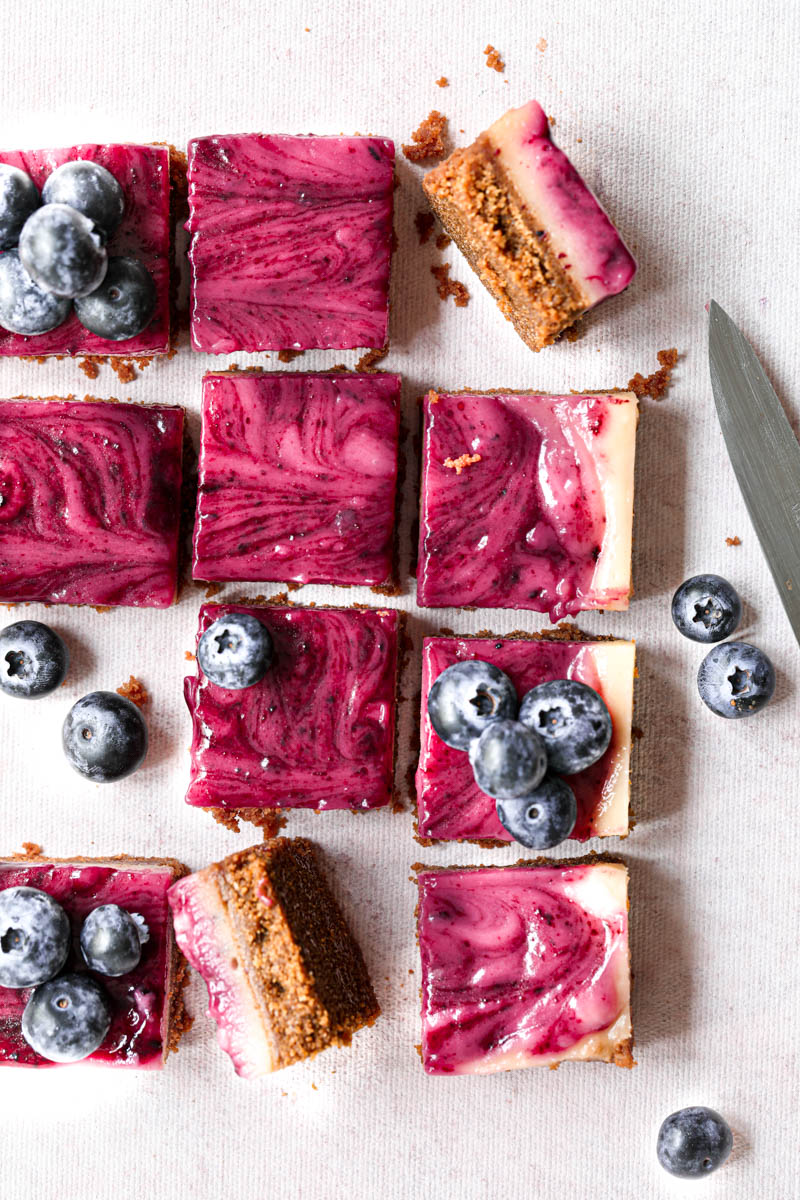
x=523, y=966
x=578, y=231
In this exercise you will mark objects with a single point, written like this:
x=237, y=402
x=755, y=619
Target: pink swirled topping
x=317, y=731
x=144, y=233
x=578, y=230
x=451, y=806
x=527, y=501
x=89, y=502
x=297, y=478
x=290, y=241
x=140, y=999
x=523, y=965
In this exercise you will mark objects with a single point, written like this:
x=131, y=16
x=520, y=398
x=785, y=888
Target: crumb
x=101, y=608
x=443, y=241
x=551, y=121
x=541, y=45
x=135, y=691
x=424, y=222
x=636, y=732
x=458, y=464
x=367, y=361
x=427, y=139
x=123, y=369
x=89, y=367
x=578, y=139
x=411, y=970
x=189, y=656
x=212, y=590
x=314, y=1086
x=31, y=849
x=734, y=541
x=305, y=30
x=442, y=82
x=493, y=59
x=446, y=286
x=287, y=356
x=656, y=384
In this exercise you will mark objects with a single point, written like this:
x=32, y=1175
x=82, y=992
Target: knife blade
x=763, y=450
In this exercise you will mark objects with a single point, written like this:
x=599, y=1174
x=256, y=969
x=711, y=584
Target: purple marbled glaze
x=290, y=241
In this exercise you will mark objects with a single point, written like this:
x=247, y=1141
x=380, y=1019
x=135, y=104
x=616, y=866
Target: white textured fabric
x=682, y=116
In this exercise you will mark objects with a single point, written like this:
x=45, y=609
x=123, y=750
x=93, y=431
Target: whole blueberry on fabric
x=736, y=679
x=693, y=1142
x=706, y=608
x=104, y=737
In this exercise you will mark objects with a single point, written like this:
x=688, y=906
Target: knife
x=763, y=450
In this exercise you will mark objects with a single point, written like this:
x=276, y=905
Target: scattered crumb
x=427, y=139
x=442, y=82
x=411, y=970
x=189, y=656
x=443, y=241
x=734, y=541
x=541, y=45
x=656, y=384
x=493, y=59
x=551, y=121
x=637, y=732
x=101, y=608
x=212, y=590
x=314, y=1086
x=578, y=139
x=135, y=691
x=89, y=367
x=424, y=222
x=458, y=464
x=446, y=286
x=287, y=356
x=31, y=849
x=572, y=334
x=305, y=30
x=123, y=369
x=367, y=361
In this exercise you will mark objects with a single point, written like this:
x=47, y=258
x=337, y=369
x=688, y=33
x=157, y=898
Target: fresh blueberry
x=62, y=251
x=735, y=679
x=34, y=937
x=693, y=1142
x=124, y=303
x=104, y=737
x=111, y=940
x=89, y=188
x=706, y=608
x=18, y=199
x=542, y=819
x=67, y=1019
x=26, y=308
x=235, y=651
x=508, y=759
x=33, y=659
x=466, y=698
x=572, y=719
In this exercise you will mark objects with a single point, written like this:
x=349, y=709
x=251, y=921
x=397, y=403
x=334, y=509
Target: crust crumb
x=636, y=732
x=442, y=81
x=493, y=59
x=267, y=819
x=135, y=691
x=541, y=45
x=655, y=385
x=446, y=286
x=101, y=608
x=459, y=464
x=443, y=241
x=734, y=541
x=287, y=356
x=424, y=222
x=189, y=656
x=31, y=850
x=212, y=590
x=427, y=139
x=89, y=367
x=367, y=361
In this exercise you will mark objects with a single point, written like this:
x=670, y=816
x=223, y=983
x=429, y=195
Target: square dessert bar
x=529, y=226
x=317, y=731
x=148, y=1016
x=524, y=966
x=291, y=239
x=144, y=233
x=451, y=806
x=89, y=502
x=285, y=976
x=527, y=501
x=297, y=478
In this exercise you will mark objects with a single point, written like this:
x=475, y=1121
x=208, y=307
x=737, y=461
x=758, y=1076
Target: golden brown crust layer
x=503, y=243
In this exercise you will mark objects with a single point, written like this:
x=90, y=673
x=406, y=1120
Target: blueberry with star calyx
x=235, y=651
x=34, y=937
x=467, y=697
x=542, y=819
x=67, y=1019
x=33, y=660
x=62, y=251
x=572, y=719
x=706, y=608
x=693, y=1142
x=508, y=759
x=25, y=308
x=736, y=679
x=112, y=940
x=18, y=199
x=104, y=737
x=124, y=303
x=91, y=190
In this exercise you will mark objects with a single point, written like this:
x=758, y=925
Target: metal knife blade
x=763, y=450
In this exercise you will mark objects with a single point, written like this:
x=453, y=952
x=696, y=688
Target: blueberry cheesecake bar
x=285, y=976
